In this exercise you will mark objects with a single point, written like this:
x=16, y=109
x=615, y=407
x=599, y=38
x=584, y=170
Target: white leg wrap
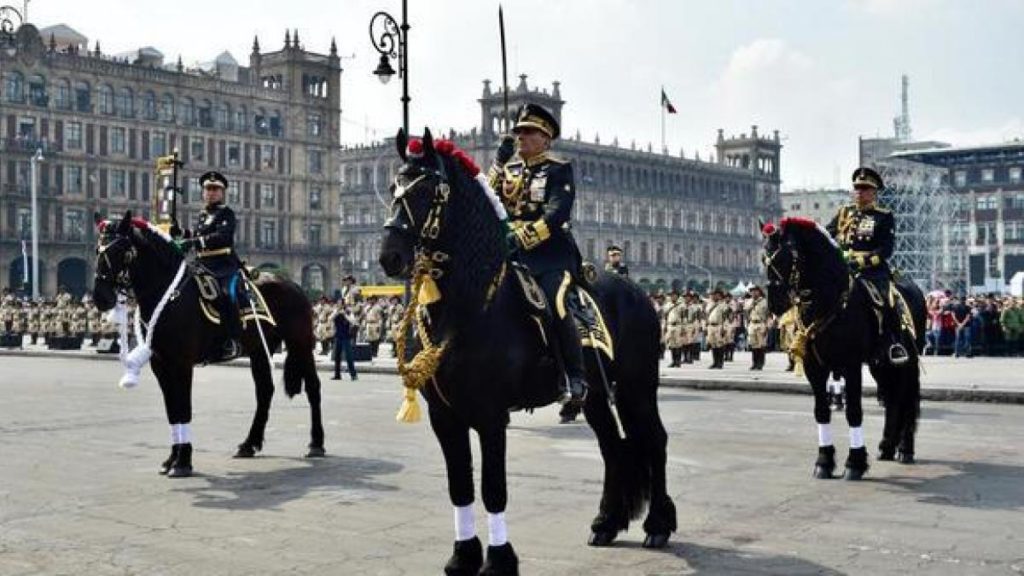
x=857, y=437
x=497, y=529
x=185, y=433
x=824, y=434
x=174, y=433
x=465, y=524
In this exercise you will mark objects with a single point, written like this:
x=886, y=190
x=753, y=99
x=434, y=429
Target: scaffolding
x=922, y=202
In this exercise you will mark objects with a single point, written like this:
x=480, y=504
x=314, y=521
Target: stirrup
x=898, y=355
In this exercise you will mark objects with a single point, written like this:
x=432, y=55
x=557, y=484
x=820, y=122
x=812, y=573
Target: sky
x=822, y=72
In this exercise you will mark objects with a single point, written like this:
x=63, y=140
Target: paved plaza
x=79, y=492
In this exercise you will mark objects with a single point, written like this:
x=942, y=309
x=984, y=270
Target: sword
x=504, y=63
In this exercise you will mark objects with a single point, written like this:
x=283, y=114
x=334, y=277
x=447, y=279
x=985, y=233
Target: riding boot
x=232, y=328
x=572, y=357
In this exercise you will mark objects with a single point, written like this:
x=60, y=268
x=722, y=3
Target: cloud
x=777, y=86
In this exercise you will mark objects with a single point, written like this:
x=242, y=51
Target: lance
x=504, y=64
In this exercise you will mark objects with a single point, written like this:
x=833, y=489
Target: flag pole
x=661, y=104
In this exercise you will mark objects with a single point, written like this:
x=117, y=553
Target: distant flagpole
x=661, y=104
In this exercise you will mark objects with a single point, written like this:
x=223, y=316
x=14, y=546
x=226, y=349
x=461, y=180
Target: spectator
x=343, y=341
x=962, y=328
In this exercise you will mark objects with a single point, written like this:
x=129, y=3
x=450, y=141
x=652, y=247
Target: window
x=1015, y=173
x=314, y=198
x=267, y=155
x=157, y=144
x=234, y=153
x=205, y=114
x=73, y=179
x=117, y=140
x=314, y=235
x=986, y=202
x=234, y=196
x=106, y=99
x=223, y=116
x=268, y=233
x=197, y=149
x=195, y=193
x=74, y=225
x=187, y=111
x=314, y=125
x=167, y=108
x=988, y=174
x=260, y=122
x=242, y=119
x=73, y=135
x=25, y=223
x=83, y=97
x=149, y=106
x=124, y=103
x=316, y=162
x=118, y=184
x=268, y=195
x=63, y=101
x=276, y=126
x=37, y=91
x=960, y=178
x=14, y=87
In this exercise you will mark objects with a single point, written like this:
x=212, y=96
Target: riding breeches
x=556, y=285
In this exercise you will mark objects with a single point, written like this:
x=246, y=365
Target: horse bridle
x=428, y=258
x=122, y=282
x=775, y=276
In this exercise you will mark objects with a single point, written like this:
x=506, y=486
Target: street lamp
x=36, y=159
x=391, y=40
x=10, y=21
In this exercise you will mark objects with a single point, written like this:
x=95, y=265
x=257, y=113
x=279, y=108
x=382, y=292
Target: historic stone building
x=678, y=220
x=818, y=205
x=271, y=127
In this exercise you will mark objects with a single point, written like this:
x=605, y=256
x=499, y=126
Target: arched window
x=14, y=87
x=63, y=99
x=242, y=119
x=205, y=114
x=37, y=91
x=124, y=103
x=167, y=108
x=149, y=106
x=261, y=124
x=187, y=111
x=83, y=96
x=223, y=116
x=276, y=125
x=106, y=99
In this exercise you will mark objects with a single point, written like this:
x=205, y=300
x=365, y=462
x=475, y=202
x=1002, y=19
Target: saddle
x=243, y=293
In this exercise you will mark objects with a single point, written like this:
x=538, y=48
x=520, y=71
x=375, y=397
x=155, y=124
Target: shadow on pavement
x=697, y=559
x=979, y=485
x=270, y=489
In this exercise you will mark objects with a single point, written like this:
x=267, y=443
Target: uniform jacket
x=867, y=235
x=215, y=236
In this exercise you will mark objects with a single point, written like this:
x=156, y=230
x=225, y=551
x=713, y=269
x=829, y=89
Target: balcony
x=29, y=144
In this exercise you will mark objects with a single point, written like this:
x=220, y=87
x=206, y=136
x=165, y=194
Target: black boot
x=572, y=357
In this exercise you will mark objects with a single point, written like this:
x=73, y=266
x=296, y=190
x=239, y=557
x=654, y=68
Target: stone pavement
x=979, y=379
x=79, y=493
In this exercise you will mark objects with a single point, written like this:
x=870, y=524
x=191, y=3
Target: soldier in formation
x=675, y=320
x=757, y=327
x=719, y=320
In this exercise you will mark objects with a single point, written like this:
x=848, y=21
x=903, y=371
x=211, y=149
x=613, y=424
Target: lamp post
x=10, y=21
x=391, y=40
x=36, y=159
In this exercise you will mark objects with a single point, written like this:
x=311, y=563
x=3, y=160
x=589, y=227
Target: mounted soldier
x=866, y=232
x=213, y=239
x=538, y=190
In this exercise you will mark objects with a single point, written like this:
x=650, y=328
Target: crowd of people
x=62, y=320
x=963, y=327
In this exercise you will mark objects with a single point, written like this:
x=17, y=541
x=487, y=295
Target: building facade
x=984, y=227
x=679, y=221
x=818, y=205
x=271, y=127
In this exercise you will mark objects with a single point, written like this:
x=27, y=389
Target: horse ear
x=125, y=225
x=402, y=144
x=428, y=143
x=760, y=223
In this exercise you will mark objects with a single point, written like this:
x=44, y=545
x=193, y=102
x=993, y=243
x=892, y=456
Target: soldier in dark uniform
x=213, y=239
x=613, y=261
x=538, y=190
x=867, y=234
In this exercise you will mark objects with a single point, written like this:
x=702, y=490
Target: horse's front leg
x=263, y=378
x=176, y=385
x=817, y=376
x=453, y=436
x=857, y=460
x=501, y=558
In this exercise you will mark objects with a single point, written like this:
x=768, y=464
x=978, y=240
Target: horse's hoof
x=179, y=472
x=886, y=455
x=245, y=451
x=656, y=540
x=854, y=474
x=822, y=472
x=467, y=558
x=905, y=457
x=601, y=539
x=316, y=452
x=501, y=561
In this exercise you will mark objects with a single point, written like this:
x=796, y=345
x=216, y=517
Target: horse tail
x=294, y=315
x=294, y=372
x=634, y=477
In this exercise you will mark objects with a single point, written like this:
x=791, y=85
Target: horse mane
x=822, y=267
x=471, y=234
x=160, y=241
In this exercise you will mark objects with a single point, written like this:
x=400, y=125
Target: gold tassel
x=409, y=413
x=428, y=292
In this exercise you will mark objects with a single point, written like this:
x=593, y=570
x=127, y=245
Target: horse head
x=115, y=253
x=780, y=260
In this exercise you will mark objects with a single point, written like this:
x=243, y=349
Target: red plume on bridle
x=799, y=221
x=447, y=148
x=769, y=229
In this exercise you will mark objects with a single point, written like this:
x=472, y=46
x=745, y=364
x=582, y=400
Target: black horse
x=133, y=257
x=806, y=268
x=494, y=357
